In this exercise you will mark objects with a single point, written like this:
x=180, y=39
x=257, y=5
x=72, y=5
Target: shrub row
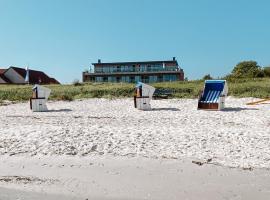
x=187, y=89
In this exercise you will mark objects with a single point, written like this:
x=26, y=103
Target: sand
x=114, y=178
x=236, y=137
x=106, y=149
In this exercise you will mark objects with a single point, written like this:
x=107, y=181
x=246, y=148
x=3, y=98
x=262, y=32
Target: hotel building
x=131, y=72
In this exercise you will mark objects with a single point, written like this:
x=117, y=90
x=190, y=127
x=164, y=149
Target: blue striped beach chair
x=213, y=95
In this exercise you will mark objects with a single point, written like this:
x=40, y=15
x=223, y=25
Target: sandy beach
x=106, y=149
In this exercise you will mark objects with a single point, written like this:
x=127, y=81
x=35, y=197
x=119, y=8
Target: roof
x=137, y=63
x=54, y=81
x=2, y=76
x=35, y=76
x=2, y=71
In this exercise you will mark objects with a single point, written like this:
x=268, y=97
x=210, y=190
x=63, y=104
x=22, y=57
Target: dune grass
x=187, y=89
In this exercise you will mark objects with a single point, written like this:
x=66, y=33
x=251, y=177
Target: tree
x=207, y=77
x=247, y=69
x=76, y=82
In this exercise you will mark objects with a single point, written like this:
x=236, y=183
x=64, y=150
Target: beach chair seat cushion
x=211, y=96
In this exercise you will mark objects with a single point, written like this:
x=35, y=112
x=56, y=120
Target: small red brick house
x=16, y=75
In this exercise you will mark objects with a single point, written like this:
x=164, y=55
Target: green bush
x=266, y=71
x=247, y=69
x=76, y=82
x=207, y=77
x=240, y=87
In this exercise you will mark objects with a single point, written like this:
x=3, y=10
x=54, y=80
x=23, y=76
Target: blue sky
x=62, y=37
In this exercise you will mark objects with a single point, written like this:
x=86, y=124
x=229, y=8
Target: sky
x=63, y=37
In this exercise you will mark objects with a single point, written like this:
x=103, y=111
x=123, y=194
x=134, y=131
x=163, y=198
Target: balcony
x=108, y=70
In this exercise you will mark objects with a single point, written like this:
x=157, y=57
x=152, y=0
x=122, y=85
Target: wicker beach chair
x=213, y=95
x=143, y=95
x=39, y=98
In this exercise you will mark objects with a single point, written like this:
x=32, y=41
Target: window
x=142, y=68
x=169, y=78
x=111, y=69
x=160, y=78
x=99, y=79
x=112, y=79
x=171, y=68
x=114, y=69
x=132, y=79
x=145, y=79
x=137, y=78
x=137, y=68
x=98, y=69
x=152, y=79
x=106, y=69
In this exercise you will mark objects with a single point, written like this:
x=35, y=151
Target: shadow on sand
x=167, y=109
x=237, y=109
x=60, y=110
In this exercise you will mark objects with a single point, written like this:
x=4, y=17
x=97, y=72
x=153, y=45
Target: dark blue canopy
x=212, y=90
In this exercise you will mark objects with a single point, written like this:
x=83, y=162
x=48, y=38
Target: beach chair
x=143, y=95
x=213, y=95
x=39, y=98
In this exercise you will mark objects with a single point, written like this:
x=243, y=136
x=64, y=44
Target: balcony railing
x=136, y=70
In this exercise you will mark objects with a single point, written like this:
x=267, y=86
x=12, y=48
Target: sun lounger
x=143, y=95
x=213, y=95
x=39, y=98
x=162, y=94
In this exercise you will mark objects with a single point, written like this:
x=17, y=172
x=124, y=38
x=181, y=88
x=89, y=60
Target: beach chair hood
x=42, y=92
x=213, y=89
x=147, y=90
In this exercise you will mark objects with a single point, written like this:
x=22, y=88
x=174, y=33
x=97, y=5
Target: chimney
x=99, y=61
x=173, y=58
